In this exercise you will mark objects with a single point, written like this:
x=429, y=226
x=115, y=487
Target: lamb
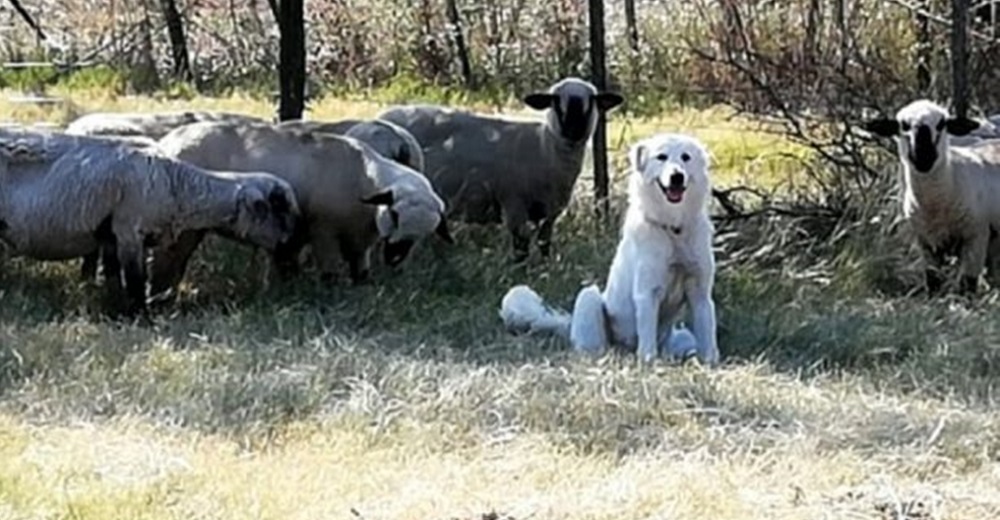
x=350, y=195
x=492, y=169
x=151, y=125
x=950, y=193
x=386, y=138
x=64, y=196
x=663, y=262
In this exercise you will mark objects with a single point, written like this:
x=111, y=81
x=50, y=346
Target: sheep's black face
x=574, y=104
x=395, y=252
x=575, y=114
x=923, y=149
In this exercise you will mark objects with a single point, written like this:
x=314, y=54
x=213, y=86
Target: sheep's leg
x=973, y=258
x=108, y=253
x=285, y=256
x=169, y=264
x=88, y=270
x=517, y=223
x=132, y=259
x=993, y=260
x=934, y=262
x=545, y=236
x=358, y=258
x=324, y=249
x=588, y=331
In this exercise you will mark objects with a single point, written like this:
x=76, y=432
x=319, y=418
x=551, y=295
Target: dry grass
x=405, y=400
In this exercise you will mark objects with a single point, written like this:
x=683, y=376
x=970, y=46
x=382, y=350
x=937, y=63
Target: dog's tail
x=523, y=311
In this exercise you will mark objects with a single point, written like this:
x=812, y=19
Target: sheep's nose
x=677, y=179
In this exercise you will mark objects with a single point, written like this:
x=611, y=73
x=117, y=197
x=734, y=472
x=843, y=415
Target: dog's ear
x=638, y=156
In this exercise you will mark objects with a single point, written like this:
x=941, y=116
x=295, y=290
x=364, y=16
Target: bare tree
x=459, y=40
x=960, y=56
x=292, y=67
x=178, y=42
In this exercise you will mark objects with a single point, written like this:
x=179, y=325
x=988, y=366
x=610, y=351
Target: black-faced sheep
x=152, y=125
x=385, y=137
x=63, y=197
x=350, y=195
x=492, y=169
x=950, y=193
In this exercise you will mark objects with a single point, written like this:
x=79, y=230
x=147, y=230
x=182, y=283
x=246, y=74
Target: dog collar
x=673, y=229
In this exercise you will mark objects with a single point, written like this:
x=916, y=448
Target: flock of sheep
x=135, y=194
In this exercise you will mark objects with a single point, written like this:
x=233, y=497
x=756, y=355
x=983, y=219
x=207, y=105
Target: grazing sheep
x=151, y=125
x=63, y=197
x=349, y=194
x=663, y=262
x=386, y=138
x=491, y=169
x=950, y=193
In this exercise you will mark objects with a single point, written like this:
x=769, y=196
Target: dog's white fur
x=664, y=260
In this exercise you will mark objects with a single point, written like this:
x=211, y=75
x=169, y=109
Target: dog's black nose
x=677, y=179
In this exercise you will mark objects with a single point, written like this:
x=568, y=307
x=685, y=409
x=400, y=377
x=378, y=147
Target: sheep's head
x=267, y=211
x=671, y=170
x=921, y=129
x=384, y=138
x=574, y=104
x=405, y=216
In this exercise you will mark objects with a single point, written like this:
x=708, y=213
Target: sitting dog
x=664, y=260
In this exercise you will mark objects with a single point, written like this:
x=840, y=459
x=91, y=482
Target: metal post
x=598, y=79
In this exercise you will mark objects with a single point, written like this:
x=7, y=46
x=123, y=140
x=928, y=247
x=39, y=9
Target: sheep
x=492, y=169
x=387, y=138
x=151, y=125
x=350, y=195
x=950, y=193
x=64, y=196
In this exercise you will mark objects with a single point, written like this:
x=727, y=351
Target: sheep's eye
x=685, y=157
x=662, y=157
x=395, y=217
x=904, y=126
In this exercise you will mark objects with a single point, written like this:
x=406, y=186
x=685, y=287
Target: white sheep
x=950, y=193
x=153, y=125
x=63, y=197
x=350, y=195
x=492, y=169
x=385, y=137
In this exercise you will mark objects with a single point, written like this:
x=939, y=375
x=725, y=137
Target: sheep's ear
x=540, y=100
x=383, y=198
x=959, y=126
x=609, y=100
x=638, y=156
x=442, y=230
x=883, y=127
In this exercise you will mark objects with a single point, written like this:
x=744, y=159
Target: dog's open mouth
x=673, y=192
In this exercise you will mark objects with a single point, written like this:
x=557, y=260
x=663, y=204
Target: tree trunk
x=459, y=39
x=959, y=56
x=292, y=68
x=178, y=43
x=631, y=28
x=598, y=78
x=925, y=49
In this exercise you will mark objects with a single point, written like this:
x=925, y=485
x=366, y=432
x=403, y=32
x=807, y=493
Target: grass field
x=404, y=399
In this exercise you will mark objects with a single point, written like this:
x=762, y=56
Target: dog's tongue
x=674, y=194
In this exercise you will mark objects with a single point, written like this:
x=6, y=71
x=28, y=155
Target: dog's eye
x=662, y=157
x=904, y=126
x=685, y=157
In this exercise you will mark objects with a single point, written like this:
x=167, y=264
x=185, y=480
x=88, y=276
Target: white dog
x=664, y=260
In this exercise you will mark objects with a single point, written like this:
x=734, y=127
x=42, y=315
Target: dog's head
x=672, y=169
x=921, y=129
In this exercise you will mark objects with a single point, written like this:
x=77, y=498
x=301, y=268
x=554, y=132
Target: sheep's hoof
x=519, y=258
